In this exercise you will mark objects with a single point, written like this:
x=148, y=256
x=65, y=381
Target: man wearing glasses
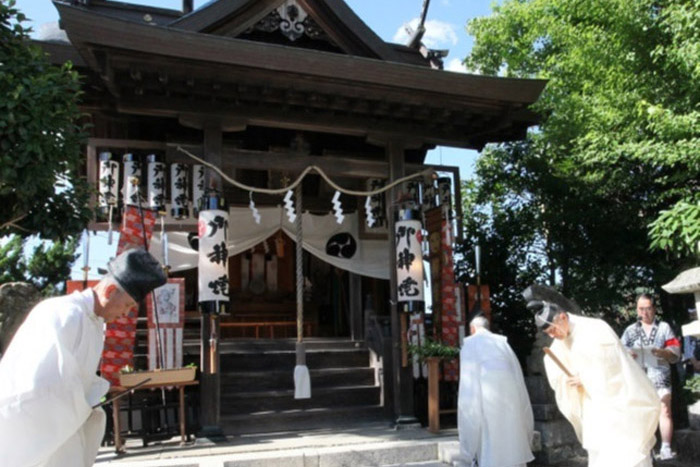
x=655, y=347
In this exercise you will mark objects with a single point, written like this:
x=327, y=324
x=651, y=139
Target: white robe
x=494, y=412
x=616, y=415
x=48, y=386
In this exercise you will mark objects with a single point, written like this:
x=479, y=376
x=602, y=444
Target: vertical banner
x=120, y=334
x=450, y=321
x=409, y=262
x=170, y=299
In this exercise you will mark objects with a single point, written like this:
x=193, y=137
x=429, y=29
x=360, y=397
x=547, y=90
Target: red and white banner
x=448, y=298
x=120, y=334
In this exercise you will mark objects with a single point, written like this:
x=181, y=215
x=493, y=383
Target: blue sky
x=446, y=29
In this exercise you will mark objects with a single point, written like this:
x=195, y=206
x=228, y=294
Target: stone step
x=283, y=380
x=293, y=420
x=687, y=446
x=276, y=401
x=232, y=361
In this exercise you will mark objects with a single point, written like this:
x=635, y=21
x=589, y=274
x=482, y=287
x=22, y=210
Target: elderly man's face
x=559, y=329
x=116, y=304
x=645, y=310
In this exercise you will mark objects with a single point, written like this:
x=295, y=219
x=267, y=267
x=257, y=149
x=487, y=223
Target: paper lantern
x=213, y=255
x=156, y=183
x=132, y=169
x=179, y=202
x=197, y=188
x=409, y=263
x=429, y=195
x=108, y=183
x=375, y=204
x=445, y=191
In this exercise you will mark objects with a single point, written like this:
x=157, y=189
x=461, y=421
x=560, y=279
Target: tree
x=41, y=190
x=47, y=268
x=616, y=157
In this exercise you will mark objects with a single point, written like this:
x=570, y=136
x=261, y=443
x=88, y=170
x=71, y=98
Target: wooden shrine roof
x=197, y=66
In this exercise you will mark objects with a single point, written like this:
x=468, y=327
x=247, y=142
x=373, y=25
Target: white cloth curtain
x=371, y=258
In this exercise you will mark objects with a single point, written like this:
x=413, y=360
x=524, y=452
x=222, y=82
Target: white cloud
x=456, y=65
x=51, y=32
x=438, y=34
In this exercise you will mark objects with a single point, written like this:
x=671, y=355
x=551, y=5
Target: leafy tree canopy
x=615, y=160
x=47, y=267
x=41, y=191
x=622, y=106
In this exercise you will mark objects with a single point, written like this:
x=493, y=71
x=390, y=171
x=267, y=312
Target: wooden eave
x=161, y=71
x=343, y=26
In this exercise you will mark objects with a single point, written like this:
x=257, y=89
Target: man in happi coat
x=494, y=412
x=654, y=346
x=608, y=399
x=48, y=385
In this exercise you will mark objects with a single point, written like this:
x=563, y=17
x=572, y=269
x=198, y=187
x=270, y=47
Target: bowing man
x=606, y=396
x=48, y=381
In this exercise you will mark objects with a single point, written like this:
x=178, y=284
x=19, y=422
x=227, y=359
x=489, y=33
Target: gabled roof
x=233, y=17
x=161, y=70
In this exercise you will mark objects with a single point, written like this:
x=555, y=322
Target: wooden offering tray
x=158, y=377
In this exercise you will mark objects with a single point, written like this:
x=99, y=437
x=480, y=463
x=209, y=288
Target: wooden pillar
x=356, y=308
x=210, y=389
x=210, y=392
x=402, y=377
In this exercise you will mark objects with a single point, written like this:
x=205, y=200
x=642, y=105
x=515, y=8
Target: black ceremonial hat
x=137, y=272
x=546, y=304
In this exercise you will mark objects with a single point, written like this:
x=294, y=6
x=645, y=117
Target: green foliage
x=615, y=161
x=693, y=384
x=41, y=191
x=47, y=268
x=622, y=106
x=431, y=348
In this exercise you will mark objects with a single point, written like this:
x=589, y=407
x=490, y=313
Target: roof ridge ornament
x=292, y=21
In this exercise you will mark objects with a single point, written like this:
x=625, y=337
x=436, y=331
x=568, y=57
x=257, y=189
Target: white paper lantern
x=109, y=181
x=197, y=187
x=376, y=203
x=180, y=203
x=132, y=169
x=429, y=195
x=409, y=265
x=156, y=183
x=445, y=191
x=213, y=256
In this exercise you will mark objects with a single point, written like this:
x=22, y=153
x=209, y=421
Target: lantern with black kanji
x=376, y=203
x=108, y=183
x=179, y=202
x=409, y=262
x=197, y=187
x=156, y=183
x=132, y=179
x=213, y=255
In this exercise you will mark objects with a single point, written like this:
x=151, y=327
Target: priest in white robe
x=48, y=381
x=494, y=412
x=612, y=405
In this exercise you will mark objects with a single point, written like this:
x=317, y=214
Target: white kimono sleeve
x=469, y=417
